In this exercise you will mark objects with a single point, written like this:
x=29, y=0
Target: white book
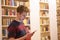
x=17, y=2
x=43, y=38
x=46, y=1
x=42, y=0
x=46, y=13
x=22, y=3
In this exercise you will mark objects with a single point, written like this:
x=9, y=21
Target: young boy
x=17, y=30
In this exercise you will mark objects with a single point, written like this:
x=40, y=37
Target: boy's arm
x=21, y=38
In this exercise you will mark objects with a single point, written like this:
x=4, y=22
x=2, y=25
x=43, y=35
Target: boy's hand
x=33, y=33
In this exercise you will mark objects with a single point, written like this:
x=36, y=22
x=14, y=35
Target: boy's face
x=23, y=15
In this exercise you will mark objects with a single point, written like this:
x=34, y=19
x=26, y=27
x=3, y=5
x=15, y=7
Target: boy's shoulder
x=14, y=23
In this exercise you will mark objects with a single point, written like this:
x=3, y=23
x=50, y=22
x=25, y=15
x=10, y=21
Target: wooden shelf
x=27, y=25
x=11, y=16
x=28, y=16
x=44, y=9
x=9, y=7
x=4, y=26
x=44, y=24
x=43, y=2
x=22, y=0
x=45, y=32
x=4, y=37
x=8, y=16
x=44, y=17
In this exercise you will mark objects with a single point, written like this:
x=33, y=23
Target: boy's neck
x=17, y=19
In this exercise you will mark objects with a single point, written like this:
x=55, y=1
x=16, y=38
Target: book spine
x=12, y=2
x=6, y=2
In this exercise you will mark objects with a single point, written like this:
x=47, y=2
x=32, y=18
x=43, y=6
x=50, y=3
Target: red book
x=10, y=12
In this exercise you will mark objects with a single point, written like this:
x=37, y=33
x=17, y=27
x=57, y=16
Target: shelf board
x=22, y=0
x=4, y=26
x=59, y=32
x=4, y=37
x=44, y=16
x=27, y=25
x=9, y=16
x=9, y=7
x=44, y=9
x=43, y=2
x=44, y=24
x=28, y=16
x=45, y=32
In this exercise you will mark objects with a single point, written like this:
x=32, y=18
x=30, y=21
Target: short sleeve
x=12, y=29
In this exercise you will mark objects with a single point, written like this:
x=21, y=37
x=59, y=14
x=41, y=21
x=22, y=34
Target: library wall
x=0, y=22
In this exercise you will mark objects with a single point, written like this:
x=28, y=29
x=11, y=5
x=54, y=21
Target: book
x=12, y=2
x=42, y=6
x=43, y=14
x=3, y=2
x=4, y=21
x=42, y=0
x=25, y=21
x=28, y=21
x=10, y=12
x=3, y=32
x=41, y=21
x=6, y=11
x=18, y=3
x=43, y=38
x=22, y=3
x=28, y=14
x=15, y=3
x=3, y=11
x=6, y=2
x=8, y=22
x=47, y=29
x=14, y=12
x=46, y=0
x=46, y=6
x=46, y=13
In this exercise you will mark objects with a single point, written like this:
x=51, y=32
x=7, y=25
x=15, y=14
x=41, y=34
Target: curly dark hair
x=22, y=8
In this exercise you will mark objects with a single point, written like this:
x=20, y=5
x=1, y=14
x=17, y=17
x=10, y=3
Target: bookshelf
x=44, y=20
x=58, y=17
x=9, y=14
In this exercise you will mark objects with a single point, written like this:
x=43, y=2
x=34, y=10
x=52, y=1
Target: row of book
x=44, y=21
x=8, y=2
x=8, y=12
x=7, y=21
x=11, y=12
x=44, y=13
x=44, y=29
x=45, y=38
x=44, y=6
x=58, y=13
x=26, y=21
x=4, y=32
x=44, y=0
x=13, y=2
